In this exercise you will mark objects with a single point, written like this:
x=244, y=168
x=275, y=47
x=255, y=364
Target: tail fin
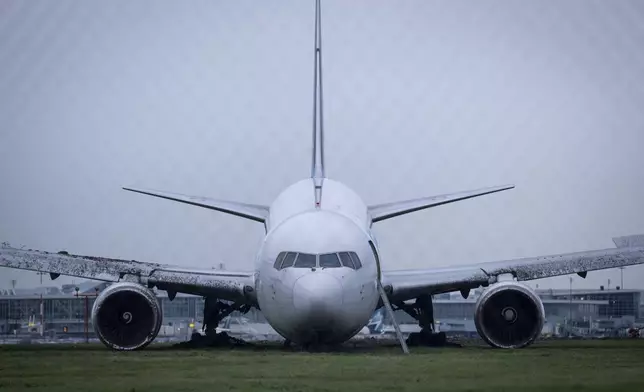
x=317, y=167
x=376, y=323
x=629, y=241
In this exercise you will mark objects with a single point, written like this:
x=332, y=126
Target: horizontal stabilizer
x=254, y=212
x=390, y=210
x=629, y=241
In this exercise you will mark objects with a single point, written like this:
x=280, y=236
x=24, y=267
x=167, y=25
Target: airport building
x=568, y=312
x=66, y=311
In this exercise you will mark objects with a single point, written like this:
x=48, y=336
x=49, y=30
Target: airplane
x=377, y=326
x=317, y=274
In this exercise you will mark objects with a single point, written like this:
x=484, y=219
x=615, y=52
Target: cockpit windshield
x=278, y=260
x=330, y=260
x=326, y=260
x=288, y=260
x=346, y=260
x=305, y=260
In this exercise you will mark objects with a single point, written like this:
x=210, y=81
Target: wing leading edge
x=222, y=284
x=408, y=284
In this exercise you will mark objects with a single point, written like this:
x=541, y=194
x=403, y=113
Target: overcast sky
x=422, y=97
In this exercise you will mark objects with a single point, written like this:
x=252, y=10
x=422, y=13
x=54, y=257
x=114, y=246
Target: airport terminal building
x=66, y=311
x=568, y=312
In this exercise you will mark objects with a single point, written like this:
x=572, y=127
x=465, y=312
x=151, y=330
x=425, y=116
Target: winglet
x=629, y=241
x=258, y=213
x=389, y=210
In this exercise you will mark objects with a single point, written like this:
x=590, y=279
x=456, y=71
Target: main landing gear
x=215, y=311
x=423, y=311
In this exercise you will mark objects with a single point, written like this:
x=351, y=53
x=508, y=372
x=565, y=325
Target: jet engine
x=127, y=316
x=509, y=315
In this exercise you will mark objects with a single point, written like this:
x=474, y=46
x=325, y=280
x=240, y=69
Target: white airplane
x=318, y=275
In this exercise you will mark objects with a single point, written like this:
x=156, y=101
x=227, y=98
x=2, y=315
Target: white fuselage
x=316, y=304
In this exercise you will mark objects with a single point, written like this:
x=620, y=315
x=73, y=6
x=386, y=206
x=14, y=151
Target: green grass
x=547, y=366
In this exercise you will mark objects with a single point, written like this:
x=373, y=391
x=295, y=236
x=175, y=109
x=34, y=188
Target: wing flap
x=385, y=211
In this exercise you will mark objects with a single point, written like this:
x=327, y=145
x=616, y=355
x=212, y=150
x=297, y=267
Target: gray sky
x=422, y=97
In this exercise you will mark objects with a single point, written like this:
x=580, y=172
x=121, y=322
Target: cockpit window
x=330, y=260
x=327, y=260
x=356, y=260
x=305, y=260
x=278, y=261
x=288, y=260
x=346, y=260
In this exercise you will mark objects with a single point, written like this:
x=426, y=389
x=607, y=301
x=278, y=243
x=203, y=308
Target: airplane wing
x=408, y=284
x=233, y=286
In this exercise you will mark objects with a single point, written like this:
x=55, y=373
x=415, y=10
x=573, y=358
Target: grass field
x=546, y=366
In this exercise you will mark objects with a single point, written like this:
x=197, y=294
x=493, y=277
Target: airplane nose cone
x=315, y=297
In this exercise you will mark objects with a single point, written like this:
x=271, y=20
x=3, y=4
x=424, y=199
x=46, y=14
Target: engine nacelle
x=509, y=315
x=127, y=316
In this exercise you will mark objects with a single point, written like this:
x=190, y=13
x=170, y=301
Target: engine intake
x=127, y=316
x=509, y=315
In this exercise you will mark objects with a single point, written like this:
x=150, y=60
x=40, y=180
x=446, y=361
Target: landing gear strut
x=215, y=311
x=423, y=311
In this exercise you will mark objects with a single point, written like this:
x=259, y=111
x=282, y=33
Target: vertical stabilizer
x=317, y=166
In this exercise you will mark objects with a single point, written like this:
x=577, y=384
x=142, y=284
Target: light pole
x=42, y=316
x=570, y=311
x=86, y=317
x=621, y=271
